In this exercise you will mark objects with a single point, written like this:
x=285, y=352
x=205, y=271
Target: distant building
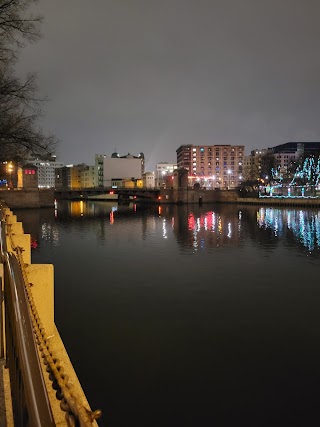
x=98, y=170
x=87, y=177
x=30, y=176
x=290, y=152
x=305, y=148
x=46, y=171
x=122, y=169
x=217, y=166
x=148, y=180
x=69, y=177
x=140, y=156
x=164, y=170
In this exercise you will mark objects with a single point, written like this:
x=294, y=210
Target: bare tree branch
x=20, y=106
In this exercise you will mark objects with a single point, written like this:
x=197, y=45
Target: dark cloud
x=149, y=75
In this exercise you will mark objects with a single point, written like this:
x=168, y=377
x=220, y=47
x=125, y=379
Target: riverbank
x=280, y=201
x=36, y=198
x=28, y=198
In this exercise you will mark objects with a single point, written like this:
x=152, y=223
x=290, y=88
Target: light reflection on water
x=187, y=315
x=303, y=224
x=208, y=228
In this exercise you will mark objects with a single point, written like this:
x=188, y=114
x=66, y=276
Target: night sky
x=150, y=75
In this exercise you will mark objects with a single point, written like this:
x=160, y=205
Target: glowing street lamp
x=9, y=172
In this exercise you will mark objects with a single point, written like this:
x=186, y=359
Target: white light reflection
x=229, y=230
x=164, y=230
x=213, y=223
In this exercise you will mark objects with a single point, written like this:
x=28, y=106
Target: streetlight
x=9, y=172
x=213, y=179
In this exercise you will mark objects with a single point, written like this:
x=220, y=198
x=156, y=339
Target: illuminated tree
x=308, y=174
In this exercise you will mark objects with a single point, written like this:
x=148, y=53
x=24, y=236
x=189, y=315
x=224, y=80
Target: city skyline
x=151, y=76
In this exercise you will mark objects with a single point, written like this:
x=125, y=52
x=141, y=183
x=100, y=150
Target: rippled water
x=187, y=316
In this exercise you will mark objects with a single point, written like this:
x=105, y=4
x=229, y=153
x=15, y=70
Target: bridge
x=103, y=193
x=37, y=388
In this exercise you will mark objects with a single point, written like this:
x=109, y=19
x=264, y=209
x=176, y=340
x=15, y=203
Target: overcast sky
x=150, y=75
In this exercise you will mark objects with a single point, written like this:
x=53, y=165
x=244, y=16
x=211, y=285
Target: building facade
x=117, y=169
x=98, y=170
x=46, y=171
x=30, y=176
x=164, y=170
x=69, y=177
x=213, y=166
x=148, y=180
x=87, y=177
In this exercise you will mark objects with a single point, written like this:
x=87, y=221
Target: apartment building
x=87, y=177
x=46, y=171
x=69, y=176
x=214, y=166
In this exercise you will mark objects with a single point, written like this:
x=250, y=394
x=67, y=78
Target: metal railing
x=30, y=401
x=20, y=339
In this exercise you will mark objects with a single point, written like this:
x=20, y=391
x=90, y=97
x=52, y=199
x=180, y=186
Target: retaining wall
x=28, y=198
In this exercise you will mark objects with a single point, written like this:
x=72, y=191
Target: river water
x=187, y=315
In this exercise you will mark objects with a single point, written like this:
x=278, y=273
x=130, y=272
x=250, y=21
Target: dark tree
x=249, y=188
x=267, y=164
x=20, y=107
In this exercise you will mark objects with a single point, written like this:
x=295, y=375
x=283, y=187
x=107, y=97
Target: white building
x=117, y=168
x=148, y=180
x=46, y=172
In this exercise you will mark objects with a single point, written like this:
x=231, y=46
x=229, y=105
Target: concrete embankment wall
x=28, y=198
x=305, y=202
x=184, y=196
x=41, y=276
x=187, y=195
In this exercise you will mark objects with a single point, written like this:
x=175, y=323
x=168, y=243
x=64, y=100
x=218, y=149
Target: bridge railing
x=30, y=402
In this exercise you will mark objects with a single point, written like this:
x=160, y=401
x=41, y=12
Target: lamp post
x=9, y=173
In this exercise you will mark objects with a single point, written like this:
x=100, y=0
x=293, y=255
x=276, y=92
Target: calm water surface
x=187, y=316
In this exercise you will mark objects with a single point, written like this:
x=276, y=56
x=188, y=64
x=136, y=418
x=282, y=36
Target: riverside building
x=291, y=152
x=212, y=166
x=164, y=170
x=118, y=169
x=46, y=171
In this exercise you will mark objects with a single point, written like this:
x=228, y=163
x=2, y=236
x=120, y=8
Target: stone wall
x=28, y=198
x=190, y=196
x=279, y=201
